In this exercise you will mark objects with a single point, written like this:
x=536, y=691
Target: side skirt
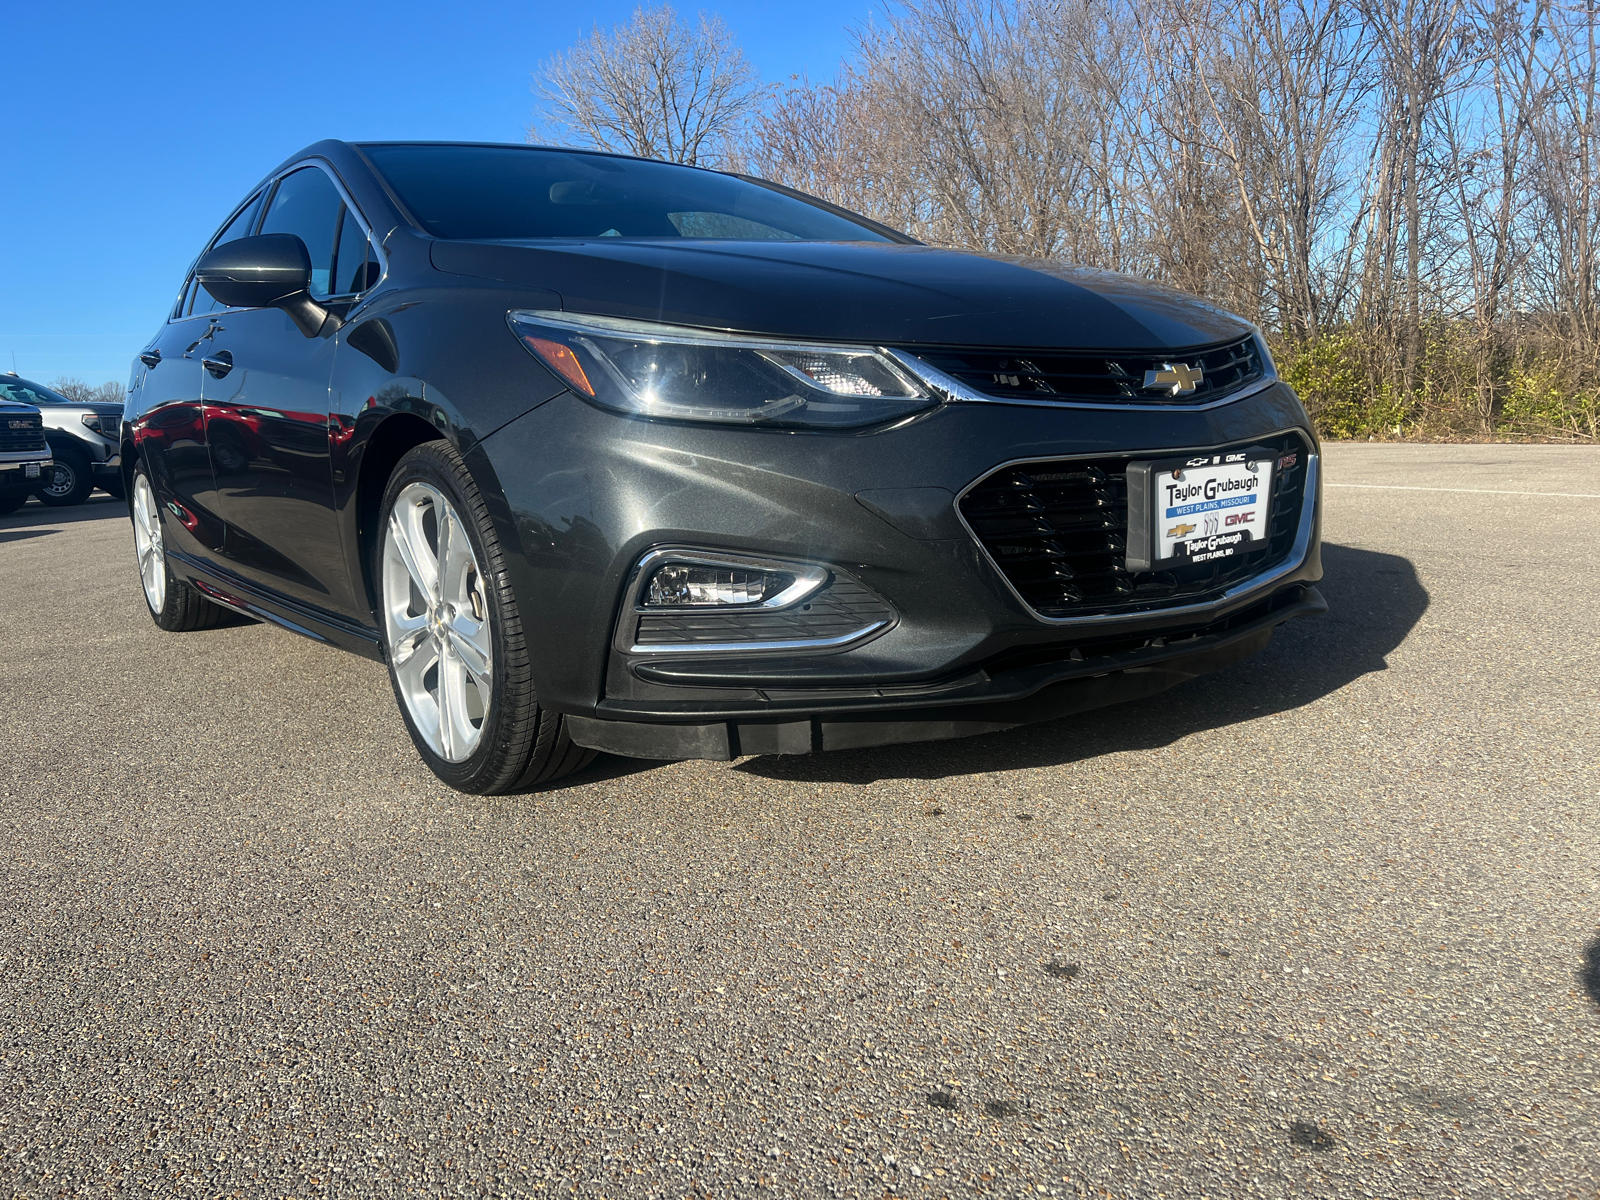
x=223, y=587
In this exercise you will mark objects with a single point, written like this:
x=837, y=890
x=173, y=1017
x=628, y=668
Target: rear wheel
x=68, y=481
x=453, y=636
x=173, y=603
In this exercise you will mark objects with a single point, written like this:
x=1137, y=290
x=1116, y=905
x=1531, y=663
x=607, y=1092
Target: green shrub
x=1334, y=383
x=1537, y=401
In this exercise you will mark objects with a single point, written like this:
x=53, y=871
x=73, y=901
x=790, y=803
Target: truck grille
x=1050, y=375
x=1059, y=532
x=19, y=434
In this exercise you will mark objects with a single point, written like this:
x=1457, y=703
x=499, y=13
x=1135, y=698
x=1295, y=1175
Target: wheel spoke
x=410, y=673
x=413, y=632
x=453, y=706
x=445, y=517
x=469, y=638
x=426, y=577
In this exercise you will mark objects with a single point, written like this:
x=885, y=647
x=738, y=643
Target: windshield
x=509, y=192
x=20, y=392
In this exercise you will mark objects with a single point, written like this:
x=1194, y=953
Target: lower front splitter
x=1040, y=693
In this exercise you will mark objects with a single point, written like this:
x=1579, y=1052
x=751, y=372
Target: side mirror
x=271, y=270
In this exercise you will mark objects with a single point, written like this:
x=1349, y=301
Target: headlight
x=691, y=375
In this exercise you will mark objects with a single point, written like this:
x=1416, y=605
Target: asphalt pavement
x=1316, y=925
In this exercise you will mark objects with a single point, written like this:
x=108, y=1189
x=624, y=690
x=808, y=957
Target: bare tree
x=658, y=87
x=1422, y=47
x=1285, y=84
x=1487, y=134
x=1567, y=183
x=1405, y=192
x=83, y=393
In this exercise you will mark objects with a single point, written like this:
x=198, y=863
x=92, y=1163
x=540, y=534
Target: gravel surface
x=1315, y=925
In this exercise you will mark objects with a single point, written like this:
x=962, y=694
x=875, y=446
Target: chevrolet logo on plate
x=1178, y=378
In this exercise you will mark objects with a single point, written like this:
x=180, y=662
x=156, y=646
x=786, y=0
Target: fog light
x=685, y=584
x=709, y=579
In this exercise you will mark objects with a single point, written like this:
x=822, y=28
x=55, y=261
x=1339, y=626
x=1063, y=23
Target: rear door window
x=308, y=205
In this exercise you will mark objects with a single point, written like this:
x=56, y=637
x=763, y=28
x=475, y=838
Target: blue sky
x=128, y=130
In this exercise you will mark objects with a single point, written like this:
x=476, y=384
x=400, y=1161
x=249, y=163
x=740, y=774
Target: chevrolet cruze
x=598, y=453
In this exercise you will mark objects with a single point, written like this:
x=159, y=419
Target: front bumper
x=23, y=470
x=984, y=703
x=587, y=494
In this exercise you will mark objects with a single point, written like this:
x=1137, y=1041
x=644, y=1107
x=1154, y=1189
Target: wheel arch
x=383, y=450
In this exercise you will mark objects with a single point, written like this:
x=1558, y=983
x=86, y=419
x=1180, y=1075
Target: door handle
x=219, y=364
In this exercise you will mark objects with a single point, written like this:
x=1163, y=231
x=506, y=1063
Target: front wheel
x=173, y=603
x=68, y=482
x=11, y=501
x=453, y=636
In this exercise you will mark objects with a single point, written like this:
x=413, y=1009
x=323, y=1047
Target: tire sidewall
x=438, y=466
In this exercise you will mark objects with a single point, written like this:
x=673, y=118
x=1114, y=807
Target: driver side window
x=197, y=299
x=308, y=205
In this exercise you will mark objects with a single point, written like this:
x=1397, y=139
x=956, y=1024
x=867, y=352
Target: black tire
x=11, y=501
x=181, y=609
x=112, y=486
x=519, y=745
x=70, y=480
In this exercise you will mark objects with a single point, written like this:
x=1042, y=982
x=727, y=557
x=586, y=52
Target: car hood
x=850, y=291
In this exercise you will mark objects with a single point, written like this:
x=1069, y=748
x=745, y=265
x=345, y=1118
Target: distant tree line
x=77, y=390
x=1404, y=193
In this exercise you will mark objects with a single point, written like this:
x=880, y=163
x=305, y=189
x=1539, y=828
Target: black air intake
x=1058, y=531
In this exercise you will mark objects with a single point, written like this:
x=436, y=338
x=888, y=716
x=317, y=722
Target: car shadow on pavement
x=34, y=520
x=1374, y=601
x=1589, y=972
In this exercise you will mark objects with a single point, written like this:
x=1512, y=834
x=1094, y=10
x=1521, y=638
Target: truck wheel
x=68, y=482
x=11, y=501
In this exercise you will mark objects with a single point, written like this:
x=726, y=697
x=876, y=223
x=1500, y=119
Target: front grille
x=18, y=434
x=1059, y=532
x=1050, y=375
x=841, y=608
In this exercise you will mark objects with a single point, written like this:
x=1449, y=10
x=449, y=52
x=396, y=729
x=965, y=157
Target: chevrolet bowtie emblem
x=1179, y=378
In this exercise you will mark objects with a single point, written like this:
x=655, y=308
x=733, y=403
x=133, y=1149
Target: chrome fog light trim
x=809, y=581
x=791, y=644
x=808, y=577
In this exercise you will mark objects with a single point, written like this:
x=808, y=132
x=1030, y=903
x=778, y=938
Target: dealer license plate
x=1211, y=512
x=30, y=471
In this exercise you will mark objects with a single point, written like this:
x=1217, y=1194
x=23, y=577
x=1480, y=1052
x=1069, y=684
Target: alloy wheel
x=148, y=544
x=436, y=622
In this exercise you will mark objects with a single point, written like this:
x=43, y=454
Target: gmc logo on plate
x=20, y=424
